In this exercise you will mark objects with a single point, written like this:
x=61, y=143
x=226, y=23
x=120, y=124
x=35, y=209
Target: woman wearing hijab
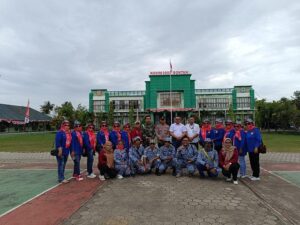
x=106, y=162
x=253, y=141
x=239, y=140
x=63, y=140
x=228, y=158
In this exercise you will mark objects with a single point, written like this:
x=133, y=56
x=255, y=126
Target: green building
x=176, y=93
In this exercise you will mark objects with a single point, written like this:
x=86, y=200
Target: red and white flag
x=26, y=120
x=171, y=68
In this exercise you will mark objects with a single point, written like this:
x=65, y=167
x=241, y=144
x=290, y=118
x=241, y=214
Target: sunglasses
x=67, y=125
x=104, y=126
x=91, y=127
x=116, y=125
x=78, y=126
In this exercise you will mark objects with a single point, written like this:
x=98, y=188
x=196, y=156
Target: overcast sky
x=58, y=50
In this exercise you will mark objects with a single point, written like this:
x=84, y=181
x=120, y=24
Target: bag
x=262, y=148
x=54, y=152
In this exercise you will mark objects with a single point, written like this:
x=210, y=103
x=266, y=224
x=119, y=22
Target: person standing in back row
x=177, y=132
x=193, y=131
x=253, y=141
x=148, y=131
x=162, y=131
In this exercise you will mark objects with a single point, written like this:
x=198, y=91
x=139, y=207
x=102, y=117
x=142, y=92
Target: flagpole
x=171, y=110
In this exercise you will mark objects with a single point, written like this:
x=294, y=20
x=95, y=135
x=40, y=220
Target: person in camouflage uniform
x=148, y=131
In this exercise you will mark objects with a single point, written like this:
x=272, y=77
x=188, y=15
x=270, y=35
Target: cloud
x=59, y=51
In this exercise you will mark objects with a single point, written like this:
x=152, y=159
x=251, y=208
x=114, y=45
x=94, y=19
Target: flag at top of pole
x=171, y=68
x=26, y=120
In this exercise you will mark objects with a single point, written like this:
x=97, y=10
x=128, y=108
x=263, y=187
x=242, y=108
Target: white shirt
x=177, y=129
x=192, y=130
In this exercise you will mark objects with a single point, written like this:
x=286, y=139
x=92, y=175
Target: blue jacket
x=86, y=142
x=253, y=139
x=230, y=134
x=151, y=154
x=218, y=136
x=121, y=157
x=75, y=144
x=185, y=154
x=209, y=134
x=211, y=158
x=60, y=142
x=165, y=152
x=136, y=154
x=241, y=144
x=100, y=140
x=113, y=137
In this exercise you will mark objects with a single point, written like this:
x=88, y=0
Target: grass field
x=26, y=142
x=282, y=142
x=44, y=142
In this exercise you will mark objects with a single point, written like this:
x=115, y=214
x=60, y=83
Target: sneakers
x=243, y=176
x=235, y=182
x=91, y=176
x=254, y=178
x=178, y=175
x=101, y=177
x=65, y=181
x=119, y=176
x=79, y=178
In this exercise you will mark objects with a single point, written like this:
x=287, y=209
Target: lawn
x=282, y=142
x=26, y=142
x=44, y=142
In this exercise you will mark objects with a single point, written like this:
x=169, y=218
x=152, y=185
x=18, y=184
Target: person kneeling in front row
x=186, y=156
x=228, y=158
x=106, y=162
x=208, y=160
x=121, y=161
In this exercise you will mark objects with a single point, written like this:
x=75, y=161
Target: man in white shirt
x=193, y=131
x=177, y=131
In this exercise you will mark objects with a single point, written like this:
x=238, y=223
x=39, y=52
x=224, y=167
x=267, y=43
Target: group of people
x=148, y=148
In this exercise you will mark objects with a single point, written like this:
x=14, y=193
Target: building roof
x=16, y=114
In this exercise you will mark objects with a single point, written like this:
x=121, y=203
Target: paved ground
x=167, y=200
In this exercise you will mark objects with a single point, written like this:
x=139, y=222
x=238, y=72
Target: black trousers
x=254, y=162
x=110, y=172
x=233, y=170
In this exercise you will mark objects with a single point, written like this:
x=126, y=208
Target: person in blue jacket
x=253, y=141
x=167, y=155
x=208, y=160
x=121, y=161
x=63, y=141
x=229, y=130
x=89, y=140
x=239, y=141
x=102, y=136
x=117, y=135
x=136, y=157
x=219, y=133
x=151, y=154
x=205, y=132
x=77, y=149
x=186, y=157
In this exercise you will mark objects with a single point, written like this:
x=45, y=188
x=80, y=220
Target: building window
x=125, y=105
x=213, y=103
x=99, y=106
x=164, y=100
x=243, y=102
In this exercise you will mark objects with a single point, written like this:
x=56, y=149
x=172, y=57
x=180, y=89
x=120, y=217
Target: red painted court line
x=54, y=206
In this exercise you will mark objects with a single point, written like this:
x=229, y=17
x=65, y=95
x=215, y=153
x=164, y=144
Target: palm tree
x=47, y=107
